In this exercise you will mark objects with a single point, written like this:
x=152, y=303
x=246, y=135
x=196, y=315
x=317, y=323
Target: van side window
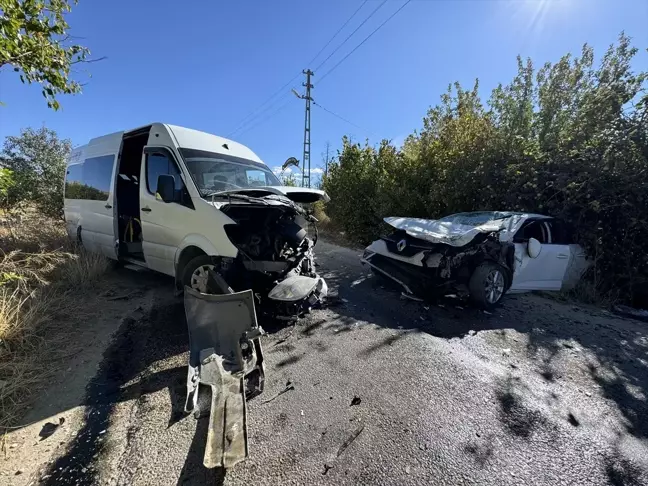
x=157, y=164
x=91, y=179
x=97, y=175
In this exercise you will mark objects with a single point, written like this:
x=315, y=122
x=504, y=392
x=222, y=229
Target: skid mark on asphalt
x=77, y=466
x=124, y=360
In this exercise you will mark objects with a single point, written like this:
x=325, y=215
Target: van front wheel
x=196, y=272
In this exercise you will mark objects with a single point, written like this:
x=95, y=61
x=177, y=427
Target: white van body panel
x=167, y=229
x=188, y=138
x=95, y=217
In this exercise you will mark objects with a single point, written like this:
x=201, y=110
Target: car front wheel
x=487, y=285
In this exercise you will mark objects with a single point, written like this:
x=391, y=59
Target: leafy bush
x=36, y=160
x=569, y=140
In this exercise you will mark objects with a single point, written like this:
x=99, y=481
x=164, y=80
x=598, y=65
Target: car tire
x=194, y=274
x=488, y=284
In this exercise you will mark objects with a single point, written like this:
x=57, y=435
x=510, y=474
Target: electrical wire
x=340, y=117
x=336, y=34
x=254, y=114
x=364, y=40
x=247, y=118
x=351, y=34
x=274, y=113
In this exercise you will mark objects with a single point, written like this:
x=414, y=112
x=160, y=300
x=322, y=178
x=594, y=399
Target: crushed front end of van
x=274, y=272
x=275, y=254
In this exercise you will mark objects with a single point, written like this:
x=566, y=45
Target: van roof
x=195, y=139
x=185, y=138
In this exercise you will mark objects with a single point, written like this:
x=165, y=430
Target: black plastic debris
x=49, y=428
x=356, y=401
x=353, y=436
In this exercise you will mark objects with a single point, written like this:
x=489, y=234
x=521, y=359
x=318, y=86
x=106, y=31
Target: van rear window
x=91, y=179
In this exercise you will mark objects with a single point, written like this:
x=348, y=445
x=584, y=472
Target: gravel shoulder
x=386, y=391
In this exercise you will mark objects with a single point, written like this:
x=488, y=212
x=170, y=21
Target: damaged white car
x=478, y=255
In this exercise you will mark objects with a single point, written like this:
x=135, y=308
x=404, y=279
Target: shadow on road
x=193, y=471
x=617, y=349
x=128, y=372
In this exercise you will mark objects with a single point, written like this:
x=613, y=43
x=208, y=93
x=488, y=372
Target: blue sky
x=208, y=64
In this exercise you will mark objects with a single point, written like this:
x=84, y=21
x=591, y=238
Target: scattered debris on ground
x=289, y=386
x=353, y=436
x=49, y=428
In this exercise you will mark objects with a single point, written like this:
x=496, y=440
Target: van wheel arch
x=187, y=254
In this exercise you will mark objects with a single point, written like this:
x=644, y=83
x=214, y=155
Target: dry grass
x=41, y=278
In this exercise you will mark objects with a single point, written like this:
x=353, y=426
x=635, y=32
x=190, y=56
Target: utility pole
x=306, y=165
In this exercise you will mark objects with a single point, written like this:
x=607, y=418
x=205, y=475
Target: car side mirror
x=166, y=189
x=534, y=247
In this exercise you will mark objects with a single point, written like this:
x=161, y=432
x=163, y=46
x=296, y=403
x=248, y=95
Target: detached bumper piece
x=225, y=369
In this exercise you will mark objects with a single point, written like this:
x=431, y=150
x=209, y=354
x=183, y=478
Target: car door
x=163, y=224
x=547, y=270
x=578, y=263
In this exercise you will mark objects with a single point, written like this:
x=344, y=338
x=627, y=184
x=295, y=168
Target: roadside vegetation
x=43, y=276
x=42, y=282
x=569, y=139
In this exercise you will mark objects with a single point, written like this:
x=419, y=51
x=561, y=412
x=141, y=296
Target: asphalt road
x=386, y=391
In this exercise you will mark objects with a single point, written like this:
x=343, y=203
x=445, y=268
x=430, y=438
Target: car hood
x=295, y=194
x=453, y=234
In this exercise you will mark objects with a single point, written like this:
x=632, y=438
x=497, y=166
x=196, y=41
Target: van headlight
x=297, y=287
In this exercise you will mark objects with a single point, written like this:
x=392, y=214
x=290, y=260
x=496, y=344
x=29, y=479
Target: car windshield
x=476, y=218
x=213, y=172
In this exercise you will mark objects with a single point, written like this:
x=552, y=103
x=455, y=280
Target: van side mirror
x=166, y=189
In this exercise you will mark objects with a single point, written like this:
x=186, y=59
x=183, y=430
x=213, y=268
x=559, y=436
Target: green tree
x=6, y=183
x=288, y=179
x=34, y=40
x=37, y=158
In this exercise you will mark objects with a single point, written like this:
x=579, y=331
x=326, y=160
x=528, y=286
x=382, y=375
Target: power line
x=364, y=40
x=339, y=30
x=340, y=117
x=351, y=34
x=250, y=127
x=254, y=114
x=247, y=118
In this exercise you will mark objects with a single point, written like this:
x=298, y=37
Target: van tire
x=488, y=284
x=189, y=280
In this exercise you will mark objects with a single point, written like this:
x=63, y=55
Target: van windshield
x=213, y=172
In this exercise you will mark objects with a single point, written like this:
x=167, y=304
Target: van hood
x=453, y=234
x=296, y=194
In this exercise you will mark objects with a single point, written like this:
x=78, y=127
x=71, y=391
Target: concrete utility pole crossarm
x=306, y=166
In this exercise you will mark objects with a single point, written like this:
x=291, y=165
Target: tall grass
x=41, y=278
